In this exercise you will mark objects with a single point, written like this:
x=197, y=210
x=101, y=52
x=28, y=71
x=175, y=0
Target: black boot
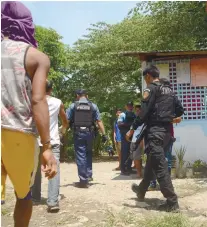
x=169, y=207
x=81, y=185
x=125, y=173
x=135, y=189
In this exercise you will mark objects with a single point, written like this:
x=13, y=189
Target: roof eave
x=146, y=55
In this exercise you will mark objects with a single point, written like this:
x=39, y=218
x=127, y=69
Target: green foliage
x=110, y=80
x=108, y=121
x=49, y=42
x=94, y=61
x=199, y=164
x=180, y=153
x=97, y=145
x=175, y=25
x=144, y=158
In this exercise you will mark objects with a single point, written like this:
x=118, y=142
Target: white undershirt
x=54, y=109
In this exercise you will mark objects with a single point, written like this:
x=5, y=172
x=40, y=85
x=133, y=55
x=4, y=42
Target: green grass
x=4, y=211
x=124, y=219
x=169, y=220
x=120, y=219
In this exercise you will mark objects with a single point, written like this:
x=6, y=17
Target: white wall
x=193, y=135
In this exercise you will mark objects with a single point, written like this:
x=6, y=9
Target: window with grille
x=193, y=98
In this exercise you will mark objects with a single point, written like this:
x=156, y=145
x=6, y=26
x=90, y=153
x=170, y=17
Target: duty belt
x=83, y=129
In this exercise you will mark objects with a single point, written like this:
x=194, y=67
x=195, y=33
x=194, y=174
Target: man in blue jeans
x=117, y=138
x=56, y=108
x=125, y=120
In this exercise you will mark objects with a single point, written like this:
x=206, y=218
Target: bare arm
x=101, y=127
x=142, y=144
x=177, y=120
x=63, y=116
x=114, y=136
x=37, y=66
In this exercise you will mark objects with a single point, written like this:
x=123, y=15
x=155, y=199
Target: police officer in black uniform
x=159, y=108
x=82, y=116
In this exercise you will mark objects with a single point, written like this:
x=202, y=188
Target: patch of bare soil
x=109, y=193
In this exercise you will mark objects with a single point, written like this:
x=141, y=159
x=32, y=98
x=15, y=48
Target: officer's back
x=82, y=116
x=162, y=111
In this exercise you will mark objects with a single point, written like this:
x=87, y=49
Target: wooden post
x=143, y=65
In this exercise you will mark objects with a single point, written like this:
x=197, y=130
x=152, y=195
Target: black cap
x=130, y=103
x=81, y=92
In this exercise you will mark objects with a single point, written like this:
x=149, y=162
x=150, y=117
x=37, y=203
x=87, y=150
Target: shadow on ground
x=44, y=200
x=99, y=159
x=73, y=185
x=130, y=177
x=148, y=204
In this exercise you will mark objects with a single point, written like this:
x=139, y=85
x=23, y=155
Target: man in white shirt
x=56, y=108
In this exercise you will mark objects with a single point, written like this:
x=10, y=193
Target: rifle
x=141, y=134
x=139, y=139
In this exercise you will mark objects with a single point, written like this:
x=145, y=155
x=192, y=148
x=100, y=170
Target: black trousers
x=156, y=164
x=125, y=153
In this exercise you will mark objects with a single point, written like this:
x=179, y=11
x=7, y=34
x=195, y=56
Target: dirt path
x=109, y=194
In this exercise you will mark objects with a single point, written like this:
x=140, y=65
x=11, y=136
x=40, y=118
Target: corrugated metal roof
x=155, y=52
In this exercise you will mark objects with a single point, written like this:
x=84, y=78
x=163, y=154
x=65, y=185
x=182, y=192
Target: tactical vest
x=164, y=108
x=129, y=119
x=130, y=116
x=83, y=114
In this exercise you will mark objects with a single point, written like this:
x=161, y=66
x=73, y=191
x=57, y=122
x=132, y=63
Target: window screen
x=193, y=98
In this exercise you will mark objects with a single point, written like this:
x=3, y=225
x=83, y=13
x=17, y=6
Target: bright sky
x=71, y=19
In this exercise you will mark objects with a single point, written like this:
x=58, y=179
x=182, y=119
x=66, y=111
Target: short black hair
x=81, y=92
x=164, y=81
x=152, y=70
x=118, y=109
x=49, y=85
x=137, y=106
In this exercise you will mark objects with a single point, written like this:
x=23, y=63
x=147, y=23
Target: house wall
x=192, y=131
x=193, y=135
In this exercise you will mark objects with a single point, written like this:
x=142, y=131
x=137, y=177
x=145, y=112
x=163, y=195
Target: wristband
x=47, y=146
x=45, y=142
